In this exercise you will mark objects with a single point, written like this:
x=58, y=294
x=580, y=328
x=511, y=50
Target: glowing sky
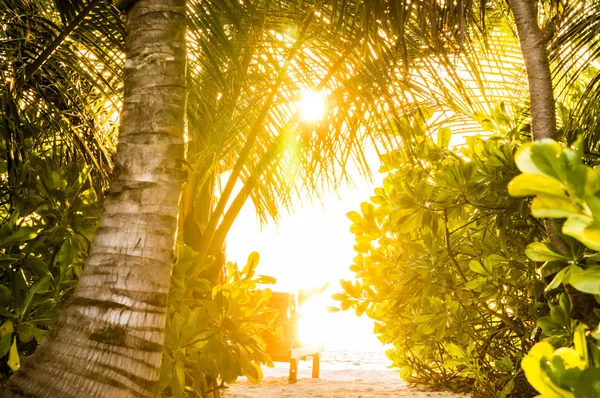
x=308, y=248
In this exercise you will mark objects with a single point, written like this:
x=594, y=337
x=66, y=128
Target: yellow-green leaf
x=546, y=206
x=251, y=264
x=476, y=266
x=583, y=229
x=14, y=362
x=443, y=138
x=536, y=376
x=539, y=251
x=6, y=328
x=524, y=162
x=534, y=184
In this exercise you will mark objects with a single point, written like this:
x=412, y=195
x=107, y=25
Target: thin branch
x=449, y=248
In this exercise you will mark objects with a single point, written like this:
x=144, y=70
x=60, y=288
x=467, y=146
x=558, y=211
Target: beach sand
x=342, y=376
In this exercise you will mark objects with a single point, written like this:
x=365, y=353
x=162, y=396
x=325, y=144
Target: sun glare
x=309, y=247
x=313, y=320
x=312, y=106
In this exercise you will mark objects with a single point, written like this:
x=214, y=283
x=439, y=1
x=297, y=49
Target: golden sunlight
x=313, y=320
x=312, y=247
x=312, y=105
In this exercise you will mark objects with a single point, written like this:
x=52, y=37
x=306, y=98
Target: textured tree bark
x=109, y=340
x=533, y=48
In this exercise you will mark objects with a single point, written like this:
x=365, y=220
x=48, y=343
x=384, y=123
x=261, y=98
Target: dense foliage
x=49, y=221
x=214, y=331
x=441, y=264
x=567, y=190
x=57, y=133
x=481, y=301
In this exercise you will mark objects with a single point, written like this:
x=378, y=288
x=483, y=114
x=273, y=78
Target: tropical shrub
x=48, y=223
x=441, y=264
x=214, y=332
x=566, y=190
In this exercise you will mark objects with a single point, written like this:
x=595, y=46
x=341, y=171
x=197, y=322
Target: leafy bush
x=48, y=224
x=214, y=332
x=441, y=264
x=568, y=190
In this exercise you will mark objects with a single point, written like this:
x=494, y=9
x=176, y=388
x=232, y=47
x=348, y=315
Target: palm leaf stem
x=271, y=153
x=245, y=152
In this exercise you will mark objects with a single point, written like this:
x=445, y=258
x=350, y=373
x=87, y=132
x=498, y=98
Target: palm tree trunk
x=533, y=48
x=109, y=340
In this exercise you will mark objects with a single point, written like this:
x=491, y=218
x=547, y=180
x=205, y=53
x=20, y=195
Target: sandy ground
x=332, y=384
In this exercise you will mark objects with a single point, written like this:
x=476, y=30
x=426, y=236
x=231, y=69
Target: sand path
x=332, y=384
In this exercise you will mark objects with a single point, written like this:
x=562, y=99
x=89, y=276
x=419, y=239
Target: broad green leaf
x=6, y=328
x=539, y=379
x=564, y=368
x=524, y=162
x=576, y=151
x=593, y=203
x=454, y=350
x=492, y=261
x=534, y=184
x=546, y=206
x=547, y=156
x=549, y=326
x=560, y=316
x=565, y=303
x=254, y=372
x=39, y=334
x=587, y=281
x=5, y=341
x=477, y=267
x=540, y=251
x=38, y=287
x=583, y=181
x=367, y=208
x=588, y=384
x=552, y=267
x=65, y=256
x=14, y=362
x=557, y=280
x=580, y=342
x=21, y=235
x=452, y=363
x=476, y=283
x=179, y=380
x=582, y=228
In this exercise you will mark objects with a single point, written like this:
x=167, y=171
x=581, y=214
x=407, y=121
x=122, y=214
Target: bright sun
x=312, y=106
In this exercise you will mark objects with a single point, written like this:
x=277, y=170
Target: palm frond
x=62, y=83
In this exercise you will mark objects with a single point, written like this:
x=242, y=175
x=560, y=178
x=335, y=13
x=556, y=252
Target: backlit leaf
x=534, y=184
x=14, y=362
x=582, y=228
x=540, y=251
x=546, y=206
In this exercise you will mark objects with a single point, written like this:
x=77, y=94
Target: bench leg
x=293, y=371
x=316, y=366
